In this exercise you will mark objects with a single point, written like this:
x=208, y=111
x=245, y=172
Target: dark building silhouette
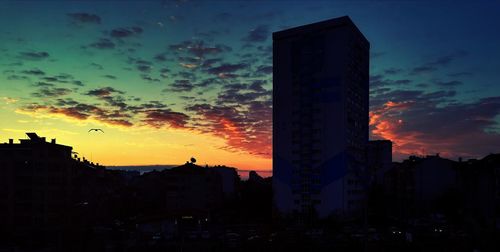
x=320, y=118
x=416, y=186
x=479, y=190
x=230, y=179
x=35, y=186
x=187, y=190
x=379, y=158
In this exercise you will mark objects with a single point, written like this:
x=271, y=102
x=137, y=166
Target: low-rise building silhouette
x=480, y=189
x=379, y=159
x=35, y=185
x=186, y=190
x=230, y=179
x=415, y=186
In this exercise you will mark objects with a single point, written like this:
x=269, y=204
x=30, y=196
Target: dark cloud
x=257, y=85
x=447, y=59
x=187, y=98
x=96, y=66
x=161, y=57
x=34, y=55
x=452, y=83
x=242, y=94
x=34, y=71
x=227, y=68
x=209, y=82
x=379, y=91
x=77, y=83
x=244, y=129
x=51, y=92
x=82, y=111
x=142, y=62
x=159, y=118
x=190, y=60
x=164, y=74
x=115, y=101
x=121, y=33
x=102, y=92
x=185, y=75
x=149, y=78
x=141, y=65
x=377, y=77
x=109, y=76
x=180, y=86
x=62, y=78
x=242, y=115
x=258, y=34
x=379, y=81
x=210, y=62
x=103, y=43
x=461, y=74
x=84, y=18
x=402, y=82
x=265, y=69
x=66, y=102
x=198, y=48
x=442, y=61
x=393, y=70
x=144, y=68
x=153, y=105
x=234, y=96
x=79, y=111
x=43, y=84
x=51, y=79
x=121, y=122
x=422, y=69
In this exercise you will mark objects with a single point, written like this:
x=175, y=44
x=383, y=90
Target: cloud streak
x=467, y=129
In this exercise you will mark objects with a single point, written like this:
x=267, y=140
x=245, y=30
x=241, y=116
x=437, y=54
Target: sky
x=170, y=80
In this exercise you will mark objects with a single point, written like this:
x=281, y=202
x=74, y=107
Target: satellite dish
x=193, y=160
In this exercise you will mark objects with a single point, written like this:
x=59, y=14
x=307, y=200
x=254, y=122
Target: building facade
x=320, y=118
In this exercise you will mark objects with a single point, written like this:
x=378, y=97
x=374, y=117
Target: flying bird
x=96, y=130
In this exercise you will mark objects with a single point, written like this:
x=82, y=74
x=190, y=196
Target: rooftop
x=316, y=27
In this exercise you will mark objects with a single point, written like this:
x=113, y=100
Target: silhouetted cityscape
x=332, y=189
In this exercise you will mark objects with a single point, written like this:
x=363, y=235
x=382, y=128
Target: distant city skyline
x=167, y=80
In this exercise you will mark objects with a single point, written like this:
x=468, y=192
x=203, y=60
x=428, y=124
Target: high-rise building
x=320, y=118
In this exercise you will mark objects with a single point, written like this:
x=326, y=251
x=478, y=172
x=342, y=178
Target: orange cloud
x=385, y=123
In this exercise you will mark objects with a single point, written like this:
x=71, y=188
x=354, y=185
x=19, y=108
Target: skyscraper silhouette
x=320, y=118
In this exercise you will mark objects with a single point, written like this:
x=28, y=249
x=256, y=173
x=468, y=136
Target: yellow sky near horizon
x=122, y=146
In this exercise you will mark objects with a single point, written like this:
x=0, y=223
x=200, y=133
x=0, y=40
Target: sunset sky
x=167, y=80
